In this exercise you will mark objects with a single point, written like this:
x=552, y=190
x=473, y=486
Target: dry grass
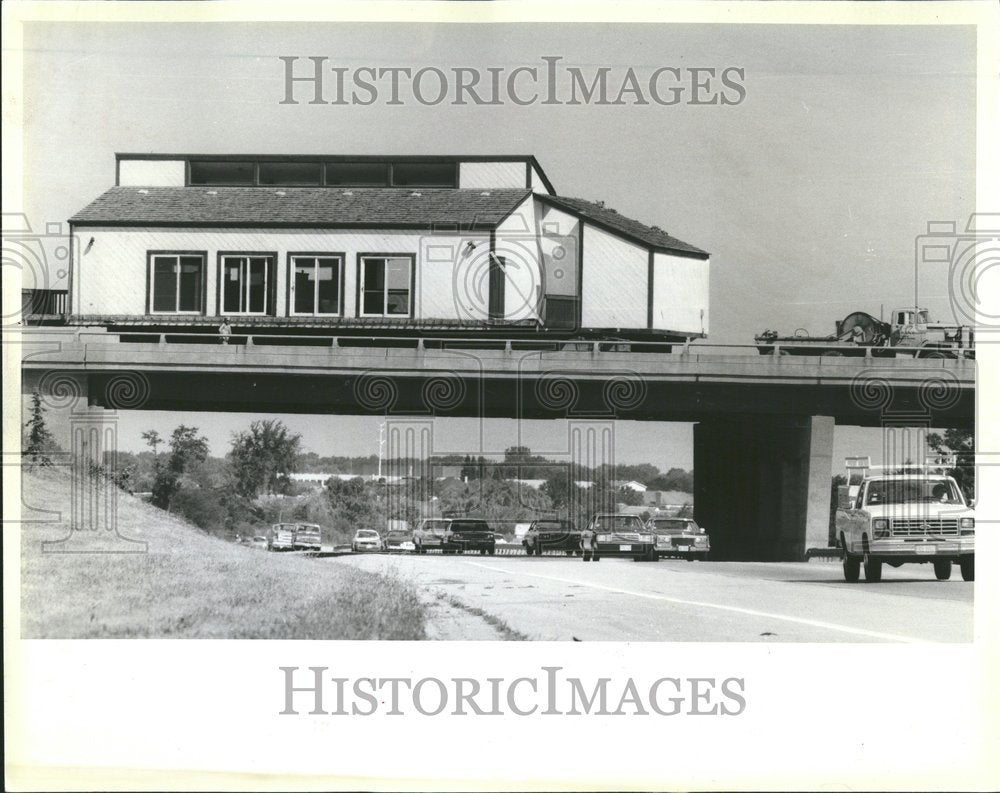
x=191, y=585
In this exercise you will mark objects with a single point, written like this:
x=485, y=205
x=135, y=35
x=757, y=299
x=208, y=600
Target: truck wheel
x=852, y=569
x=942, y=569
x=968, y=567
x=586, y=556
x=528, y=550
x=492, y=551
x=873, y=568
x=652, y=556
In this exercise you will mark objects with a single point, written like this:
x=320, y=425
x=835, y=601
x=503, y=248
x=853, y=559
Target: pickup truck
x=906, y=518
x=308, y=537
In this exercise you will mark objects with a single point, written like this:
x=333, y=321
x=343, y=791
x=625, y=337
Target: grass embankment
x=191, y=585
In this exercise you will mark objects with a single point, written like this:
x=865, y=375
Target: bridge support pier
x=762, y=485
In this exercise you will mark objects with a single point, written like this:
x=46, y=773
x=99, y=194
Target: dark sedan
x=552, y=535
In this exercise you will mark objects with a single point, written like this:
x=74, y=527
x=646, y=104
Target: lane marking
x=735, y=609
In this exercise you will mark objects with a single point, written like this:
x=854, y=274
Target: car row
x=611, y=534
x=606, y=534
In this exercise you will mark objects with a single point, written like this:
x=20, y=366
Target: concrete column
x=762, y=485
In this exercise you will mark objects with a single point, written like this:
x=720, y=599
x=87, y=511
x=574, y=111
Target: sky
x=808, y=194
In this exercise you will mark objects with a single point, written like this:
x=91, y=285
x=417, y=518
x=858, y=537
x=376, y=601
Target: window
x=289, y=173
x=357, y=174
x=246, y=283
x=316, y=283
x=385, y=284
x=176, y=283
x=219, y=172
x=424, y=174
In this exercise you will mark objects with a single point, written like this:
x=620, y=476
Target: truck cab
x=895, y=516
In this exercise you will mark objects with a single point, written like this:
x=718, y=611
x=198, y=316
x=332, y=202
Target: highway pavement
x=560, y=598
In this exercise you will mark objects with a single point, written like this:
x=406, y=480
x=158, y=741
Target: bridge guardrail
x=781, y=351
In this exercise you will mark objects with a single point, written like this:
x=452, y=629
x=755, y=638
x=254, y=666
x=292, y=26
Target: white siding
x=537, y=185
x=615, y=279
x=517, y=244
x=111, y=277
x=476, y=175
x=559, y=239
x=680, y=293
x=151, y=173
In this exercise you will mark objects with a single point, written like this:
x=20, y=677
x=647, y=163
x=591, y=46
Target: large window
x=316, y=283
x=246, y=283
x=221, y=172
x=425, y=174
x=385, y=283
x=357, y=174
x=176, y=283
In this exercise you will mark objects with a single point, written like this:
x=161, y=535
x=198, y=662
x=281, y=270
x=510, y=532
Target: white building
x=373, y=244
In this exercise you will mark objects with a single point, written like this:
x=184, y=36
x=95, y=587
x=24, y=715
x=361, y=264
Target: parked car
x=259, y=542
x=679, y=537
x=366, y=540
x=455, y=535
x=308, y=537
x=609, y=534
x=551, y=535
x=398, y=540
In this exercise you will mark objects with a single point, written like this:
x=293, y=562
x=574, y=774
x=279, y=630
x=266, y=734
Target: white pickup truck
x=898, y=518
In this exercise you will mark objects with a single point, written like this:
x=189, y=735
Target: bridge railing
x=781, y=351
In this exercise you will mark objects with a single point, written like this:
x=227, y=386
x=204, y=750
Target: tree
x=186, y=449
x=262, y=458
x=962, y=444
x=40, y=441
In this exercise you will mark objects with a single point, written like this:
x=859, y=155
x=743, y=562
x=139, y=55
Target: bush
x=203, y=507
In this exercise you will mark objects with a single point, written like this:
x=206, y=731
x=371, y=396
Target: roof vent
x=415, y=194
x=212, y=192
x=280, y=192
x=348, y=192
x=485, y=192
x=144, y=192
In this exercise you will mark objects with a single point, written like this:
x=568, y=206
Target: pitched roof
x=615, y=222
x=316, y=207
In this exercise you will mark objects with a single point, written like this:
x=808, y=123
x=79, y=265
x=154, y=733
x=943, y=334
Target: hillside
x=191, y=585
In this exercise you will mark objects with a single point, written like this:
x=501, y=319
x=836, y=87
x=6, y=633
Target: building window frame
x=359, y=291
x=291, y=259
x=270, y=283
x=151, y=257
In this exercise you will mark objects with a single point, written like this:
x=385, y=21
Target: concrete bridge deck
x=513, y=381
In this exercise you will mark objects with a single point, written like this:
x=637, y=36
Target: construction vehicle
x=911, y=332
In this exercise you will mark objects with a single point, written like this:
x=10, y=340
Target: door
x=497, y=287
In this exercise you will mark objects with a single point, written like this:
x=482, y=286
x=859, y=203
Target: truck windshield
x=908, y=491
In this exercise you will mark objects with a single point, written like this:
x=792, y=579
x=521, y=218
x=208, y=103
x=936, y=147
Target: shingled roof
x=312, y=207
x=615, y=222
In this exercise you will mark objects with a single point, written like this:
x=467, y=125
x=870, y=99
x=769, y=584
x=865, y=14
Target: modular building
x=396, y=245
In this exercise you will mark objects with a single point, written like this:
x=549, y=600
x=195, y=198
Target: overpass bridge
x=763, y=424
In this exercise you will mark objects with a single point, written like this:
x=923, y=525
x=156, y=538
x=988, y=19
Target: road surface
x=559, y=598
